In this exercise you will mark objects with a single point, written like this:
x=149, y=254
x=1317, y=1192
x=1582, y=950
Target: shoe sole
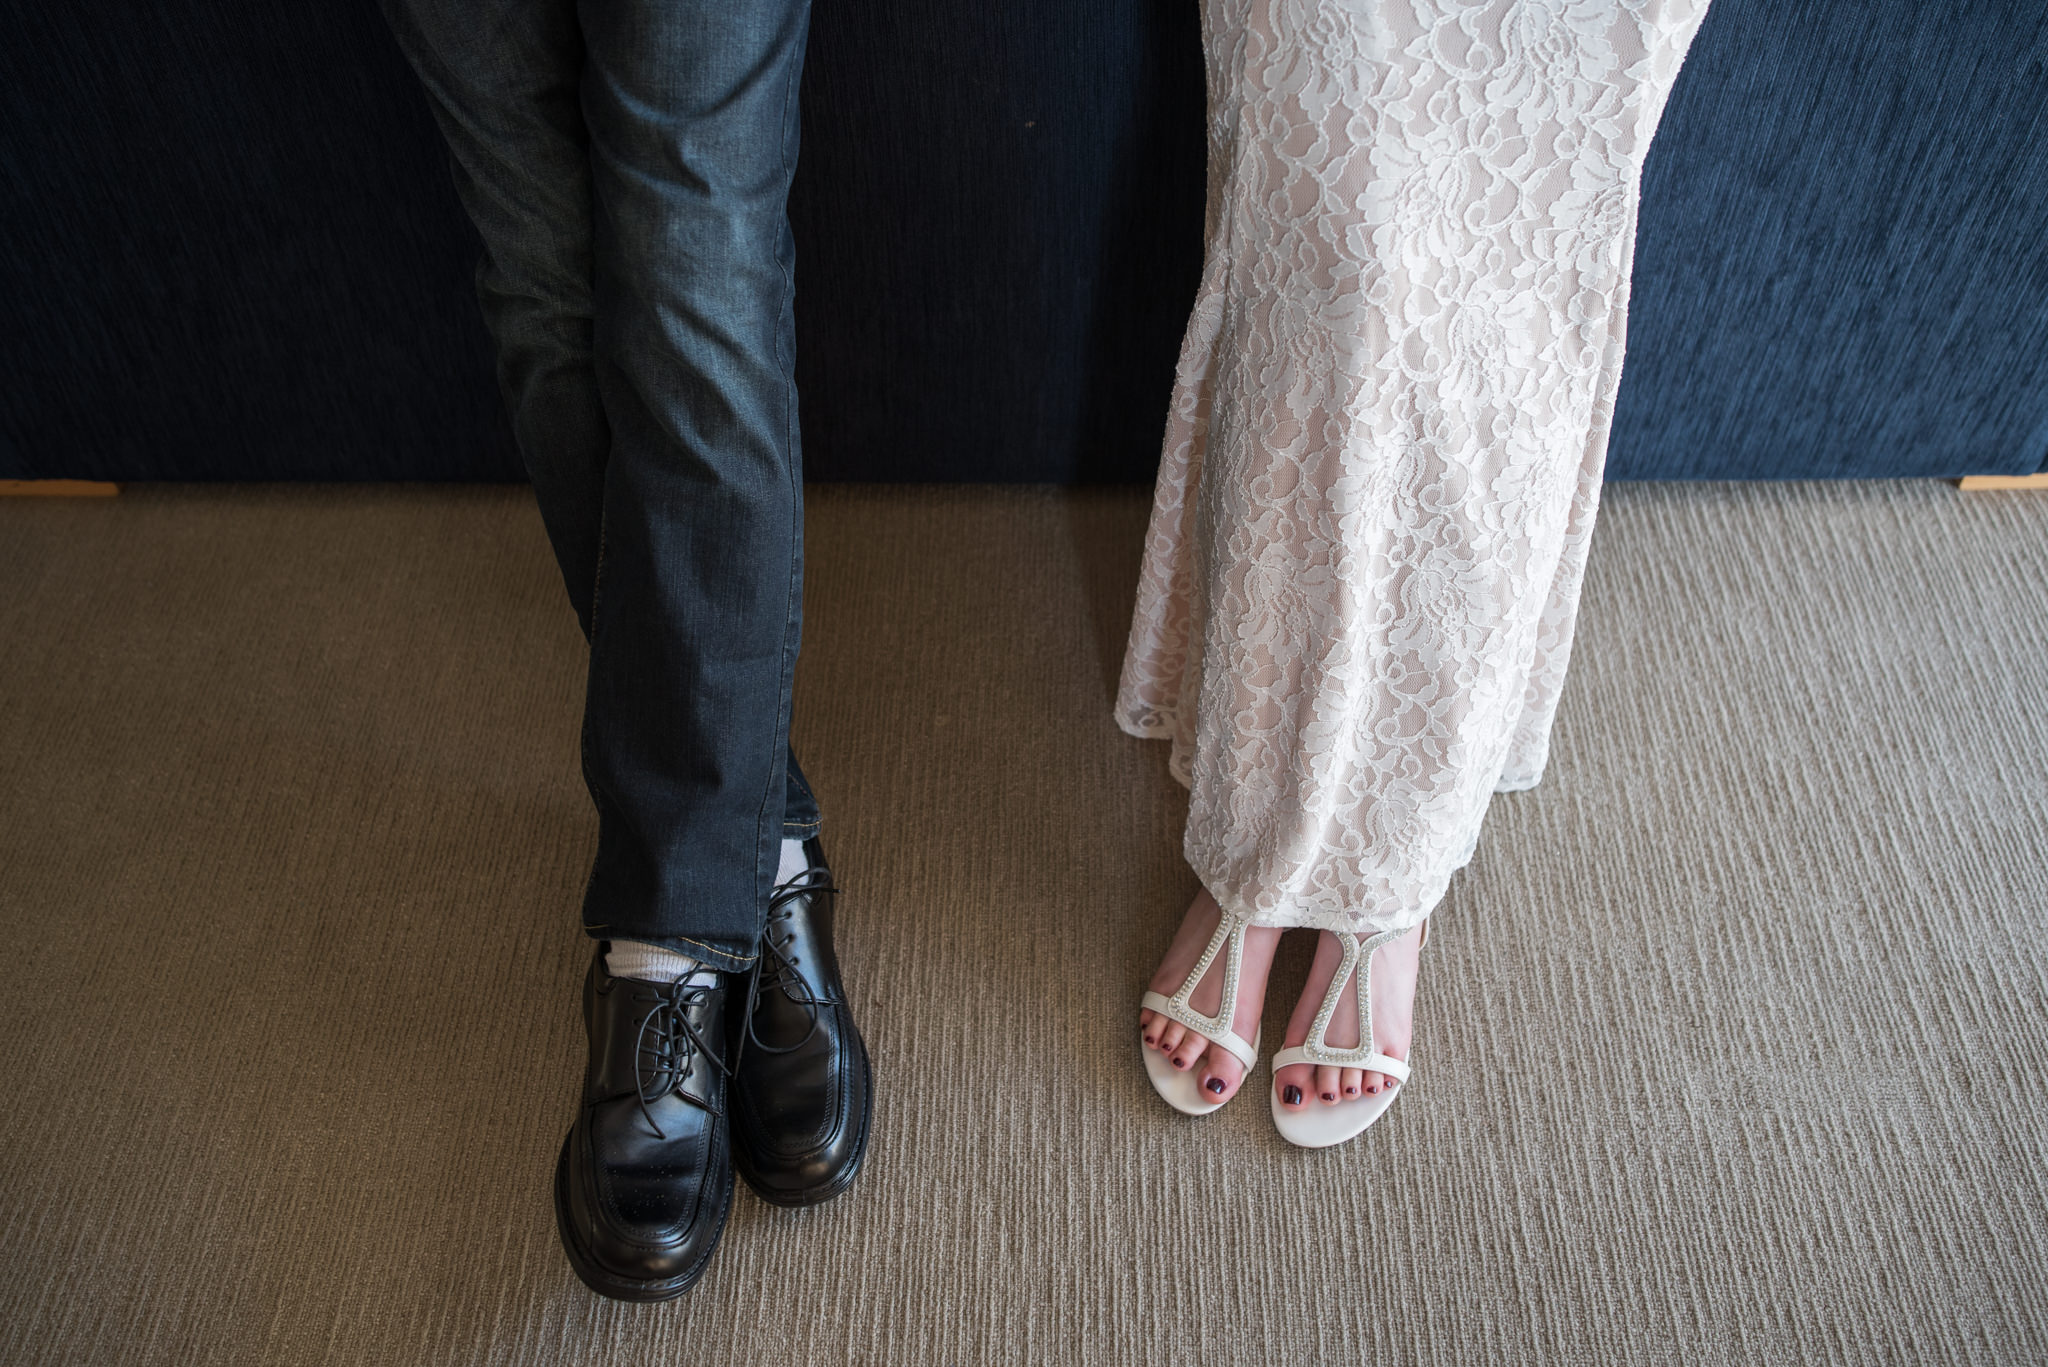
x=824, y=1191
x=619, y=1288
x=1317, y=1126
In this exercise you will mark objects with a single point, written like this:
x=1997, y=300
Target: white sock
x=653, y=964
x=794, y=862
x=648, y=963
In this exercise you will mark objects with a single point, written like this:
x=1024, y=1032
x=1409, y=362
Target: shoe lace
x=667, y=1042
x=780, y=969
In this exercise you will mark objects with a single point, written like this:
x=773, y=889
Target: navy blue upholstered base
x=229, y=248
x=1842, y=261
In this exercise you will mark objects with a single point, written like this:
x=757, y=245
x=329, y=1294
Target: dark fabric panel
x=999, y=220
x=1842, y=261
x=230, y=249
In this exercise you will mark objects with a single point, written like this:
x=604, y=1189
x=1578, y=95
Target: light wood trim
x=57, y=488
x=2004, y=481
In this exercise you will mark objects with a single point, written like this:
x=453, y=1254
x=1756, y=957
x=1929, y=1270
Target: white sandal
x=1181, y=1089
x=1317, y=1125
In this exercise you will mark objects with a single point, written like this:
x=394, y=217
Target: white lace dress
x=1384, y=451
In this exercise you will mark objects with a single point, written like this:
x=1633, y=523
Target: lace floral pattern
x=1382, y=461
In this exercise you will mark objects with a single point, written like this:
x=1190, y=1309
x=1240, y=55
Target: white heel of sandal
x=1319, y=1126
x=1183, y=1090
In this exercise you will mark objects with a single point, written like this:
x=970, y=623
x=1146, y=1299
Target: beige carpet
x=1733, y=1044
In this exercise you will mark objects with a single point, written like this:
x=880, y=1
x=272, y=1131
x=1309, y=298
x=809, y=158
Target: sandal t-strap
x=1181, y=1089
x=1319, y=1126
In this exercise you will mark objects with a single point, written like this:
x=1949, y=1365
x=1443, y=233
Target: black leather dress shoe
x=801, y=1088
x=645, y=1178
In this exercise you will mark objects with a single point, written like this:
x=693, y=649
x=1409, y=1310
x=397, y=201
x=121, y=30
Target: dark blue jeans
x=627, y=163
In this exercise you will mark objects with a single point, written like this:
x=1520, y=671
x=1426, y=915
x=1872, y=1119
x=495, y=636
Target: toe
x=1170, y=1036
x=1327, y=1087
x=1222, y=1076
x=1190, y=1050
x=1373, y=1083
x=1292, y=1084
x=1149, y=1025
x=1350, y=1081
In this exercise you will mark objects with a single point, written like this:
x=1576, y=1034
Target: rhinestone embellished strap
x=1354, y=966
x=1229, y=940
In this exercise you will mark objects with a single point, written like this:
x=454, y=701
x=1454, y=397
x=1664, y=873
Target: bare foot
x=1216, y=1068
x=1394, y=968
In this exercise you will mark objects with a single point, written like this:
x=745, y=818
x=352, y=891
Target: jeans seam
x=794, y=602
x=597, y=795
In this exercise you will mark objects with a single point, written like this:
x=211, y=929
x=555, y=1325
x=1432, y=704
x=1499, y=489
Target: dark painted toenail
x=1216, y=1085
x=1292, y=1096
x=1329, y=1096
x=1151, y=1039
x=1373, y=1090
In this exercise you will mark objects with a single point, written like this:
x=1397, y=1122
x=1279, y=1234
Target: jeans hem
x=710, y=955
